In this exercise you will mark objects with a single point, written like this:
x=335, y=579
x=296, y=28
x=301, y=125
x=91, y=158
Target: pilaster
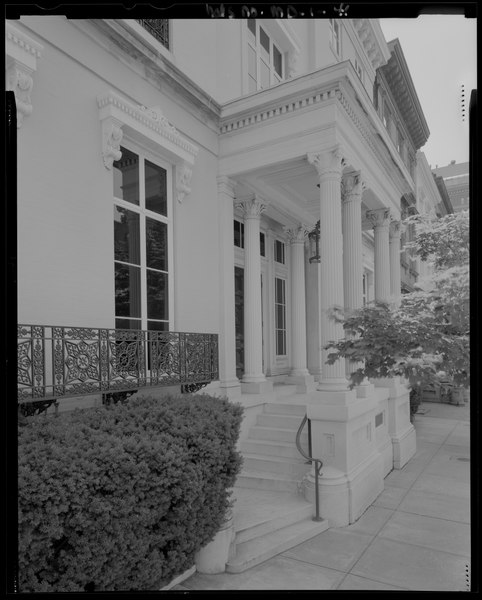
x=229, y=383
x=254, y=380
x=394, y=243
x=299, y=373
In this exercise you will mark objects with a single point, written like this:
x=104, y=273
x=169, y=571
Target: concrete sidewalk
x=415, y=536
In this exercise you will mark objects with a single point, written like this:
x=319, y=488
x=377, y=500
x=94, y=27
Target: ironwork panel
x=159, y=28
x=56, y=362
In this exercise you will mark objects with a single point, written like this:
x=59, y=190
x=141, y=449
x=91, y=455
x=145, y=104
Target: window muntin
x=156, y=188
x=262, y=244
x=141, y=258
x=238, y=233
x=279, y=252
x=335, y=36
x=266, y=64
x=280, y=316
x=126, y=177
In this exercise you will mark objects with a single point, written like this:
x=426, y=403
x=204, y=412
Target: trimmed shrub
x=122, y=497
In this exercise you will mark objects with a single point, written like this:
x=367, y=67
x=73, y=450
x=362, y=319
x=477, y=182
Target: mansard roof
x=398, y=77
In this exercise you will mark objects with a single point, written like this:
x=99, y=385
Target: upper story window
x=335, y=32
x=400, y=142
x=141, y=236
x=158, y=28
x=266, y=64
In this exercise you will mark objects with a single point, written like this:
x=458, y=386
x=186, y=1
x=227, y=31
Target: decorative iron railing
x=55, y=362
x=159, y=28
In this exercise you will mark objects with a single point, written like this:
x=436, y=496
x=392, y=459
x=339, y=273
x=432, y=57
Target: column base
x=304, y=383
x=344, y=497
x=256, y=387
x=230, y=389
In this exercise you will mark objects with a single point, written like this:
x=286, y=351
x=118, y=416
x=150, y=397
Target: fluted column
x=253, y=380
x=299, y=372
x=329, y=165
x=352, y=191
x=229, y=383
x=394, y=243
x=380, y=220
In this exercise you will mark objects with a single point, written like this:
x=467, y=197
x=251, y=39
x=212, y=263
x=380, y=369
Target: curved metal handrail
x=317, y=461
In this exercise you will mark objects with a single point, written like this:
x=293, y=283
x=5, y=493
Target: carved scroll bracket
x=22, y=53
x=111, y=140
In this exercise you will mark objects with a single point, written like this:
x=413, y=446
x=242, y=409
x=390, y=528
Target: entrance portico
x=292, y=150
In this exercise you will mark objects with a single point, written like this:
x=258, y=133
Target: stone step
x=259, y=512
x=255, y=551
x=285, y=408
x=264, y=480
x=279, y=421
x=284, y=389
x=296, y=467
x=272, y=434
x=270, y=448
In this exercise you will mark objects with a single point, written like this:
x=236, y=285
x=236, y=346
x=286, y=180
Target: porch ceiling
x=293, y=186
x=265, y=138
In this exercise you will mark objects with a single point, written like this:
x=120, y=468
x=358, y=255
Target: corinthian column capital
x=252, y=208
x=379, y=217
x=352, y=187
x=327, y=163
x=297, y=235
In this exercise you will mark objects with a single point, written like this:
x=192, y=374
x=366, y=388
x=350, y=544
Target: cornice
x=124, y=37
x=150, y=118
x=372, y=40
x=337, y=84
x=399, y=80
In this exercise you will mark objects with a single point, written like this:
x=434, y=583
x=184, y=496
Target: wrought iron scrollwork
x=60, y=362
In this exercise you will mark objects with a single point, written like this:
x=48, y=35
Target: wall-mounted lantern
x=314, y=241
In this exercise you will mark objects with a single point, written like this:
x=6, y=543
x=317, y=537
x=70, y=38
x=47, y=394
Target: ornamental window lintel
x=150, y=127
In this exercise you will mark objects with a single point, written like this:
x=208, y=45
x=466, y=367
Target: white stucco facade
x=310, y=145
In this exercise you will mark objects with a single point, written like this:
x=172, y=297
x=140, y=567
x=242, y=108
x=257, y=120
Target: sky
x=441, y=53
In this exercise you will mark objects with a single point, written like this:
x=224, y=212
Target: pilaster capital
x=395, y=229
x=352, y=187
x=328, y=163
x=183, y=180
x=111, y=140
x=226, y=185
x=298, y=234
x=253, y=207
x=379, y=218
